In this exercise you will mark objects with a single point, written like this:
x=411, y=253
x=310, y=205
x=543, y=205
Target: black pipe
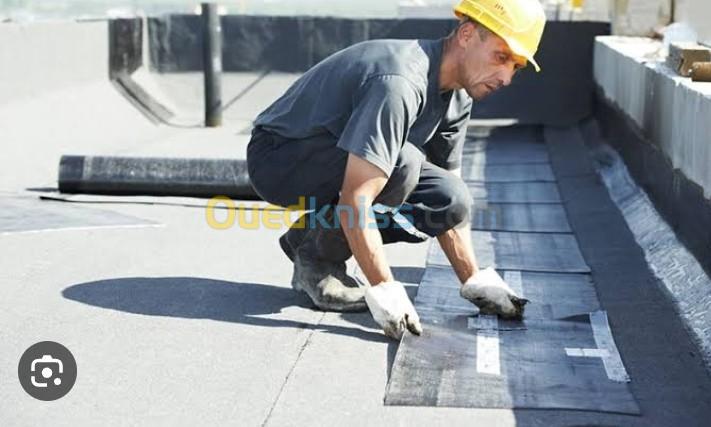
x=212, y=64
x=155, y=176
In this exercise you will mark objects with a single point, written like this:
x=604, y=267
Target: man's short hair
x=483, y=31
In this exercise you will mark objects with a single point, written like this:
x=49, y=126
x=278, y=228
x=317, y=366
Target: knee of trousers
x=460, y=202
x=257, y=170
x=404, y=177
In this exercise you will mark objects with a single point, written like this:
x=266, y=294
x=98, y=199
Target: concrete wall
x=672, y=111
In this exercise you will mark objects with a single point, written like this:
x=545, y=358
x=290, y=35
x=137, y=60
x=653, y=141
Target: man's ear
x=466, y=31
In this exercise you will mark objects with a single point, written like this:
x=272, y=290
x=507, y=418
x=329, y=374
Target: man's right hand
x=392, y=310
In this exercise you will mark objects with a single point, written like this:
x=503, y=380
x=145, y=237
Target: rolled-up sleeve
x=384, y=109
x=444, y=149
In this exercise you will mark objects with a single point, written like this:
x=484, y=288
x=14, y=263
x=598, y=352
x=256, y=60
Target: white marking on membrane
x=614, y=367
x=487, y=344
x=586, y=352
x=606, y=350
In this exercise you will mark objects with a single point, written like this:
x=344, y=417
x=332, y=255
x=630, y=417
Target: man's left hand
x=488, y=291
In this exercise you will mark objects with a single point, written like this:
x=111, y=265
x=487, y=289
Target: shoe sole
x=345, y=308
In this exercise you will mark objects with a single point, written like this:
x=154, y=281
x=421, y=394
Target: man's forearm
x=365, y=241
x=457, y=245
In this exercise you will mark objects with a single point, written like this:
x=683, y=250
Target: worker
x=372, y=135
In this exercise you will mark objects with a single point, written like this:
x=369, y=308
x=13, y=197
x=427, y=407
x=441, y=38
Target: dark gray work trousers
x=432, y=199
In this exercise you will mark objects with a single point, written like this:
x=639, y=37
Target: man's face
x=485, y=64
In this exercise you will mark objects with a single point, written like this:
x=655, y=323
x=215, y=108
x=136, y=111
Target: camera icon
x=48, y=367
x=47, y=370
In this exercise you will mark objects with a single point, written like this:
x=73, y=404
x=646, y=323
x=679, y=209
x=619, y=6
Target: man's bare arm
x=457, y=245
x=388, y=301
x=484, y=288
x=362, y=183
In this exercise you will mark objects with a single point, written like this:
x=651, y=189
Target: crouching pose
x=373, y=135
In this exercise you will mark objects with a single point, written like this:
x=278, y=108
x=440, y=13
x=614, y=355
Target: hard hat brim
x=520, y=51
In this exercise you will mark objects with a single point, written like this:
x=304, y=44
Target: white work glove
x=392, y=310
x=488, y=291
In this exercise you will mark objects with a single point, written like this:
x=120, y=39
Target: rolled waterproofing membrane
x=156, y=176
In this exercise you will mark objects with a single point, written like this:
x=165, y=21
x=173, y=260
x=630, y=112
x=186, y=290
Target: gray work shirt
x=373, y=97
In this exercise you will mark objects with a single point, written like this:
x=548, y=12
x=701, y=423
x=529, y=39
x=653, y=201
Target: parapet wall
x=671, y=111
x=661, y=124
x=562, y=94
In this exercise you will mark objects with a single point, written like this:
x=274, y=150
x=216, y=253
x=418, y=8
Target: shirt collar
x=434, y=50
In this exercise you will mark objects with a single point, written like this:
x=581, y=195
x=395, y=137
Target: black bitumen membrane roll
x=155, y=176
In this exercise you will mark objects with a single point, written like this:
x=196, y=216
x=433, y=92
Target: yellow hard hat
x=519, y=22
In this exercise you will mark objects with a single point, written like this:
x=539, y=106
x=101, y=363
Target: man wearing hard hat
x=370, y=140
